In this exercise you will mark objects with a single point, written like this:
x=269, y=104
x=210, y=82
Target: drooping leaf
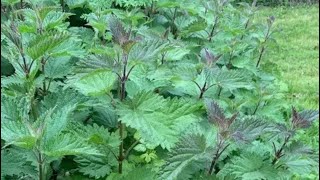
x=188, y=157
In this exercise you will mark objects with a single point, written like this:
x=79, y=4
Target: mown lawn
x=295, y=59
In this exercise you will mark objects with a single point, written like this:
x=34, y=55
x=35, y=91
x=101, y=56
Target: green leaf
x=248, y=166
x=94, y=167
x=16, y=164
x=66, y=144
x=248, y=129
x=96, y=135
x=187, y=157
x=96, y=83
x=17, y=133
x=57, y=67
x=44, y=44
x=159, y=120
x=56, y=122
x=141, y=173
x=55, y=19
x=146, y=50
x=232, y=79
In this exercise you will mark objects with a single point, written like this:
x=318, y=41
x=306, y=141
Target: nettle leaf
x=57, y=122
x=58, y=67
x=297, y=165
x=55, y=19
x=94, y=167
x=105, y=116
x=146, y=50
x=95, y=62
x=217, y=117
x=141, y=173
x=64, y=98
x=12, y=109
x=16, y=164
x=75, y=3
x=66, y=144
x=96, y=135
x=304, y=118
x=15, y=128
x=44, y=44
x=248, y=129
x=186, y=158
x=176, y=53
x=232, y=79
x=96, y=83
x=119, y=34
x=158, y=120
x=17, y=133
x=248, y=166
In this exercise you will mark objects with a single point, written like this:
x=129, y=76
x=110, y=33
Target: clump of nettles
x=144, y=90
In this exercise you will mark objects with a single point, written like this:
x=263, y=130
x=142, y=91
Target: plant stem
x=256, y=109
x=203, y=90
x=245, y=27
x=220, y=150
x=213, y=28
x=278, y=153
x=173, y=29
x=123, y=80
x=219, y=92
x=162, y=57
x=263, y=47
x=131, y=147
x=121, y=157
x=40, y=165
x=43, y=62
x=62, y=5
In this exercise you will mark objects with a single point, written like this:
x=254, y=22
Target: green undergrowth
x=295, y=57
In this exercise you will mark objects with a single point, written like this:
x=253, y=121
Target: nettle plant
x=144, y=90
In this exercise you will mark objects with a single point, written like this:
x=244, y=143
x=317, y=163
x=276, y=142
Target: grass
x=295, y=59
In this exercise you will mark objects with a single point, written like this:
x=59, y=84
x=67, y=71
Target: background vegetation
x=295, y=58
x=169, y=90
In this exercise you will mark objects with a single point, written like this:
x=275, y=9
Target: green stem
x=44, y=81
x=263, y=47
x=213, y=28
x=219, y=92
x=130, y=148
x=40, y=166
x=173, y=29
x=123, y=80
x=278, y=153
x=203, y=90
x=256, y=109
x=220, y=150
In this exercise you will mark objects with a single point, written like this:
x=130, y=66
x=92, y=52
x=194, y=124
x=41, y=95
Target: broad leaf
x=159, y=120
x=96, y=83
x=187, y=157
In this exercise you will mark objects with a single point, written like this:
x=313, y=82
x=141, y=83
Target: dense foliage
x=129, y=89
x=283, y=2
